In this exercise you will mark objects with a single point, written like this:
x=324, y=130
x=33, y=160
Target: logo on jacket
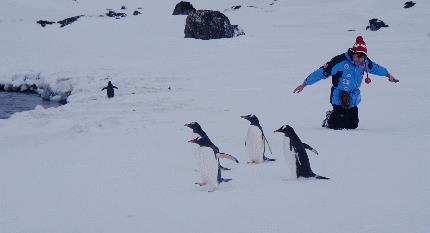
x=346, y=66
x=345, y=82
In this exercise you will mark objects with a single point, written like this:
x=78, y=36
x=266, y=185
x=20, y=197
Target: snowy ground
x=123, y=165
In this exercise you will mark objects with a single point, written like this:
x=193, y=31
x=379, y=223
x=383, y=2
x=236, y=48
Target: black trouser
x=342, y=118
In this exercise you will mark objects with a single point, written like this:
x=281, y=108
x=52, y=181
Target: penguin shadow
x=302, y=180
x=224, y=187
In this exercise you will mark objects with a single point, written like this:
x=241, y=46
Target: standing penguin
x=255, y=142
x=198, y=132
x=296, y=156
x=209, y=163
x=110, y=91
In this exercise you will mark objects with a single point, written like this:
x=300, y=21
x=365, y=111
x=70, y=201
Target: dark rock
x=207, y=24
x=376, y=24
x=136, y=13
x=252, y=6
x=236, y=7
x=43, y=23
x=351, y=30
x=24, y=87
x=7, y=87
x=68, y=21
x=183, y=8
x=63, y=101
x=15, y=88
x=33, y=87
x=409, y=4
x=114, y=14
x=46, y=93
x=123, y=7
x=272, y=4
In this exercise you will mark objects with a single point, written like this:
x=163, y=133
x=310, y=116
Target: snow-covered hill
x=123, y=165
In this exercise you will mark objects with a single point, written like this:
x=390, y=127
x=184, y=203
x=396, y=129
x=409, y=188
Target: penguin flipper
x=306, y=146
x=227, y=156
x=266, y=141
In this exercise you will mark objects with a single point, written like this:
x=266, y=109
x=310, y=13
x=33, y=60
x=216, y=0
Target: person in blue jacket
x=347, y=72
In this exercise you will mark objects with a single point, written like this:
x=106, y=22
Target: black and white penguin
x=255, y=141
x=209, y=163
x=296, y=156
x=199, y=132
x=110, y=89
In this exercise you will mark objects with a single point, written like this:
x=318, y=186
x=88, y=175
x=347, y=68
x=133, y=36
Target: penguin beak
x=188, y=125
x=244, y=117
x=278, y=130
x=193, y=140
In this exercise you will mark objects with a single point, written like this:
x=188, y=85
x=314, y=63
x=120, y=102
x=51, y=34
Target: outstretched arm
x=104, y=88
x=309, y=148
x=311, y=79
x=379, y=70
x=115, y=87
x=323, y=72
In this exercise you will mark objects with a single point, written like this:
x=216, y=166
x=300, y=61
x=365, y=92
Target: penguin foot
x=201, y=184
x=321, y=177
x=212, y=190
x=225, y=180
x=268, y=159
x=224, y=168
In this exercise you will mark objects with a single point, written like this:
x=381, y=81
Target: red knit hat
x=360, y=45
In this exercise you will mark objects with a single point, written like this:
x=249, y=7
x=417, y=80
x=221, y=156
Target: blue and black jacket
x=346, y=76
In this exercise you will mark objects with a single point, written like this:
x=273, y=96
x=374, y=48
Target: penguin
x=110, y=91
x=198, y=132
x=209, y=163
x=255, y=142
x=296, y=156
